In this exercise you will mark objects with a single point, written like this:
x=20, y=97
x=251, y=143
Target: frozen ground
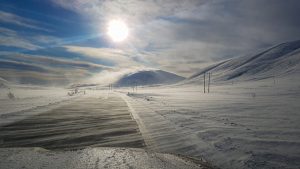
x=93, y=158
x=252, y=124
x=97, y=119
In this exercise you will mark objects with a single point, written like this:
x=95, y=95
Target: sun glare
x=117, y=30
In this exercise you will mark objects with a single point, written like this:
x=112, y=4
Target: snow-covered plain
x=246, y=124
x=253, y=124
x=250, y=118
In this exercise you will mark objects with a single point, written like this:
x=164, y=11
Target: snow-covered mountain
x=148, y=77
x=277, y=61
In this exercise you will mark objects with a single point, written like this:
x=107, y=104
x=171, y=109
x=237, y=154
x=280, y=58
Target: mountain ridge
x=277, y=60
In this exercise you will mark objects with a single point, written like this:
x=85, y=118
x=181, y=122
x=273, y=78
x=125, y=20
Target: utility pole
x=208, y=81
x=133, y=86
x=204, y=82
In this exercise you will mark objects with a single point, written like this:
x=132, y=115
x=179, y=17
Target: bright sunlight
x=117, y=30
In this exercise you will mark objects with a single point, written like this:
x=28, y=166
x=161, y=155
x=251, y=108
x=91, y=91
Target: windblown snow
x=244, y=125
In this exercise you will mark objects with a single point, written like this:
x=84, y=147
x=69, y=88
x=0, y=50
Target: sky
x=61, y=42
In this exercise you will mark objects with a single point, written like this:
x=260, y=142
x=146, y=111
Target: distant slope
x=148, y=77
x=279, y=60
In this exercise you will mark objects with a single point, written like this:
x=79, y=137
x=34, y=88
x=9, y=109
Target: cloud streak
x=11, y=38
x=204, y=31
x=173, y=35
x=20, y=21
x=36, y=69
x=118, y=57
x=14, y=41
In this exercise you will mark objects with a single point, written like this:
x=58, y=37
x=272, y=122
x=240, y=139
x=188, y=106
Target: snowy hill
x=148, y=77
x=277, y=61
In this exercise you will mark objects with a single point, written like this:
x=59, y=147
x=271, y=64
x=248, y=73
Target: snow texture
x=93, y=158
x=253, y=124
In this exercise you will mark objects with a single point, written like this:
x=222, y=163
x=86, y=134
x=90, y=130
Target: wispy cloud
x=46, y=70
x=7, y=32
x=14, y=41
x=46, y=39
x=49, y=61
x=12, y=38
x=179, y=32
x=21, y=21
x=125, y=61
x=119, y=57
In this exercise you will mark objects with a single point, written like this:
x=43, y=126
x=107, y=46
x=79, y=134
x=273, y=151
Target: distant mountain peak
x=148, y=77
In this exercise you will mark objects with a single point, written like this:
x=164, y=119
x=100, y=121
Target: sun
x=117, y=30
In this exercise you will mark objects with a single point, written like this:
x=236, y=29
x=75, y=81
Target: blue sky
x=62, y=41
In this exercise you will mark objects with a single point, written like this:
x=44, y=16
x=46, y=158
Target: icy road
x=84, y=128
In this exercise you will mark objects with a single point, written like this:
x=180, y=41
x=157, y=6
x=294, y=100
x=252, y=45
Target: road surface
x=89, y=132
x=88, y=121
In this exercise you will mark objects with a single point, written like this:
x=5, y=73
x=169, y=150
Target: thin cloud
x=118, y=57
x=19, y=42
x=44, y=39
x=7, y=32
x=180, y=32
x=36, y=69
x=54, y=63
x=20, y=21
x=12, y=38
